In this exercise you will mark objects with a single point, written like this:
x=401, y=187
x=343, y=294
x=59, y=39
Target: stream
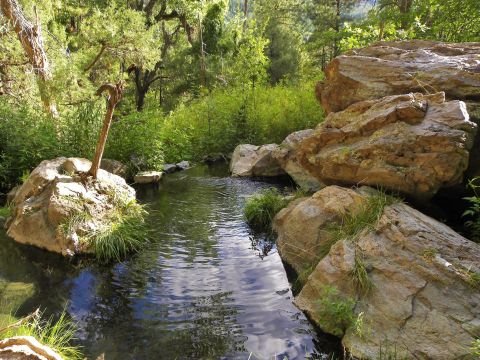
x=204, y=288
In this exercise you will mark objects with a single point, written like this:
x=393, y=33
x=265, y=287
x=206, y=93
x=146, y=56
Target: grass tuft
x=353, y=223
x=363, y=284
x=123, y=232
x=5, y=211
x=56, y=334
x=261, y=208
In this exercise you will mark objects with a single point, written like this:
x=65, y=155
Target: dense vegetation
x=201, y=76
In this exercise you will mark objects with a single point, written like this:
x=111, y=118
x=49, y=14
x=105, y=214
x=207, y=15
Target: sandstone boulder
x=57, y=192
x=26, y=348
x=285, y=154
x=413, y=143
x=148, y=177
x=252, y=160
x=169, y=168
x=114, y=167
x=424, y=298
x=400, y=67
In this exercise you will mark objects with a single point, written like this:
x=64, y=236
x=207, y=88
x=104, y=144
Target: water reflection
x=205, y=288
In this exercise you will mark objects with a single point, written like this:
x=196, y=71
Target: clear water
x=205, y=288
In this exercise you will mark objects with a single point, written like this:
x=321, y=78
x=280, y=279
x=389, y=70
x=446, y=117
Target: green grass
x=476, y=348
x=302, y=278
x=261, y=208
x=363, y=284
x=5, y=211
x=335, y=313
x=124, y=231
x=354, y=222
x=56, y=334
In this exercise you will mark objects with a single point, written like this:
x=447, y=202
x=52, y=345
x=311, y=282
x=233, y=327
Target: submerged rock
x=148, y=177
x=423, y=298
x=114, y=167
x=26, y=348
x=400, y=67
x=58, y=205
x=169, y=168
x=286, y=156
x=252, y=160
x=183, y=165
x=412, y=143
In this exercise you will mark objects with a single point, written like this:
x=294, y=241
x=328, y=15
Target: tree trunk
x=115, y=94
x=404, y=6
x=336, y=47
x=202, y=56
x=245, y=14
x=30, y=37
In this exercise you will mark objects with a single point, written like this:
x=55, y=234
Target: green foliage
x=473, y=212
x=364, y=217
x=261, y=208
x=56, y=334
x=476, y=347
x=361, y=280
x=302, y=278
x=122, y=232
x=5, y=211
x=334, y=312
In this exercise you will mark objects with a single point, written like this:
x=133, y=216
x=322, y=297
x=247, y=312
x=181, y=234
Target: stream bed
x=204, y=288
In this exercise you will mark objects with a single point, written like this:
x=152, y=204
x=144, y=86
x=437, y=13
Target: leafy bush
x=261, y=208
x=56, y=334
x=335, y=313
x=473, y=212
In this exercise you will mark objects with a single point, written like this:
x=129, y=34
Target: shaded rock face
x=114, y=167
x=412, y=143
x=286, y=156
x=424, y=299
x=26, y=348
x=56, y=191
x=252, y=160
x=392, y=68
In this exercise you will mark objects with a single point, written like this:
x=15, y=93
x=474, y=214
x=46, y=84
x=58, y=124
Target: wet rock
x=252, y=160
x=285, y=154
x=183, y=165
x=412, y=143
x=214, y=158
x=169, y=168
x=56, y=191
x=400, y=67
x=26, y=348
x=114, y=167
x=423, y=300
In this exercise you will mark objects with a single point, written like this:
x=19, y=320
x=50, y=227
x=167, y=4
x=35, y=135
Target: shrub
x=261, y=208
x=56, y=334
x=335, y=313
x=473, y=212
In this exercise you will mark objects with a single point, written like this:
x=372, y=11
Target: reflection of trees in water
x=124, y=327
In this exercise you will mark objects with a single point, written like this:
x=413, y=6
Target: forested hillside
x=200, y=76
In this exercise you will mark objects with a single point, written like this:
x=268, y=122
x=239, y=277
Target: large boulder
x=392, y=68
x=148, y=177
x=56, y=193
x=26, y=348
x=252, y=160
x=286, y=156
x=411, y=143
x=424, y=298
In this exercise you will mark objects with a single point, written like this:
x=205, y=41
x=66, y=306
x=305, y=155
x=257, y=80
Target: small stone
x=169, y=168
x=183, y=165
x=148, y=177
